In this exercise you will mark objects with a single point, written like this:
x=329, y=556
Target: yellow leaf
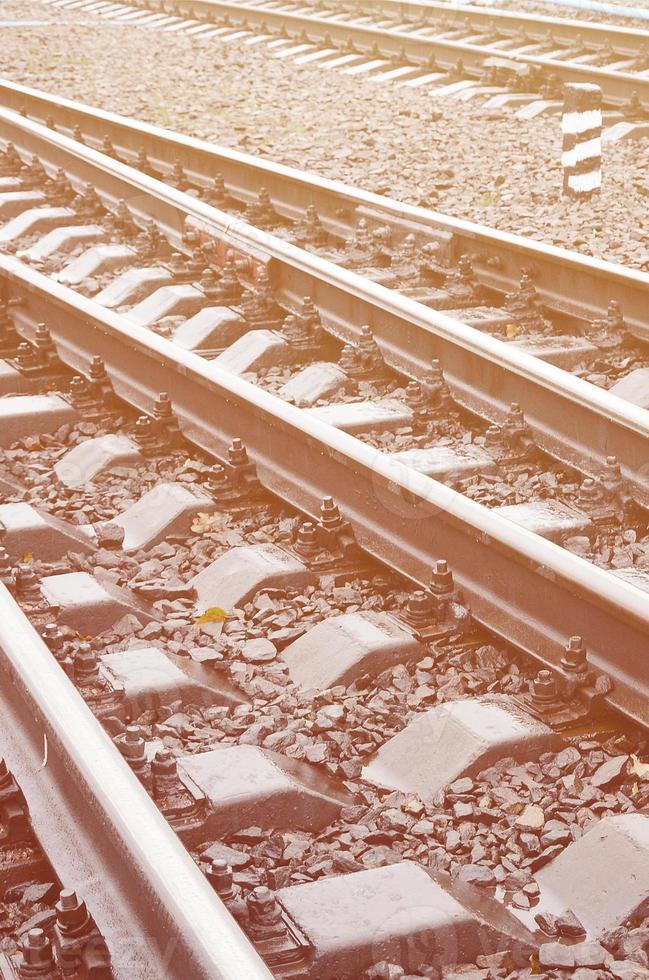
x=203, y=523
x=27, y=557
x=641, y=769
x=211, y=615
x=512, y=330
x=634, y=789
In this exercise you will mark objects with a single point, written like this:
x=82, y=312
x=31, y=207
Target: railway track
x=267, y=637
x=566, y=421
x=501, y=58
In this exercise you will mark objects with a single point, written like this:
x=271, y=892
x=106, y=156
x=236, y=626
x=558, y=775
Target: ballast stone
x=88, y=605
x=26, y=529
x=82, y=463
x=396, y=914
x=212, y=328
x=634, y=387
x=29, y=415
x=603, y=877
x=179, y=300
x=551, y=519
x=168, y=508
x=320, y=380
x=459, y=738
x=385, y=414
x=340, y=649
x=447, y=462
x=150, y=678
x=248, y=786
x=240, y=573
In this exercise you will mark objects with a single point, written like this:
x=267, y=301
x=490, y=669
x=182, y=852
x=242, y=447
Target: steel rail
x=522, y=587
x=626, y=40
x=565, y=280
x=570, y=418
x=419, y=49
x=102, y=832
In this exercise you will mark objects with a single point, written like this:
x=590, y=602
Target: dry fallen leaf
x=203, y=523
x=27, y=558
x=641, y=769
x=512, y=330
x=211, y=615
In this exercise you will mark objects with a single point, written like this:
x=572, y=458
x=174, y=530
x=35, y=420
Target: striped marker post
x=581, y=125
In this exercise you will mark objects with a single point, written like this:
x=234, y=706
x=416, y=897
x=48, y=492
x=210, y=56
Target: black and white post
x=581, y=125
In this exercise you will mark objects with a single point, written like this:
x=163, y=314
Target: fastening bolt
x=237, y=453
x=419, y=606
x=26, y=582
x=78, y=386
x=588, y=491
x=493, y=436
x=163, y=764
x=97, y=370
x=132, y=744
x=306, y=537
x=330, y=514
x=441, y=580
x=143, y=428
x=544, y=687
x=71, y=911
x=220, y=877
x=515, y=415
x=575, y=656
x=436, y=375
x=37, y=953
x=85, y=662
x=162, y=408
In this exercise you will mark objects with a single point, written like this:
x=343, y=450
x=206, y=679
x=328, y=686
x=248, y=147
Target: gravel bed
x=388, y=140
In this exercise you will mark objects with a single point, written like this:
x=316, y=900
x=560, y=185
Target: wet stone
x=259, y=651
